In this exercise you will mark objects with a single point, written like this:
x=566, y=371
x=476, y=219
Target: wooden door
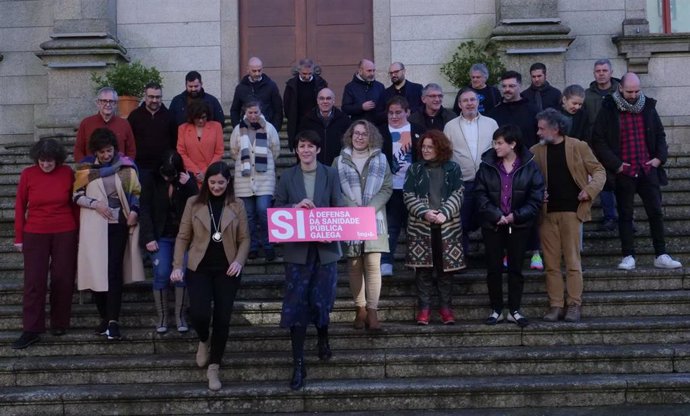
x=336, y=34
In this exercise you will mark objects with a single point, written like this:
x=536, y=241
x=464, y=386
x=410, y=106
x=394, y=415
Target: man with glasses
x=329, y=123
x=400, y=86
x=154, y=128
x=432, y=115
x=106, y=102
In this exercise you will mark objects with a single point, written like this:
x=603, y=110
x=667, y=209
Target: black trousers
x=425, y=276
x=647, y=187
x=109, y=303
x=513, y=243
x=206, y=287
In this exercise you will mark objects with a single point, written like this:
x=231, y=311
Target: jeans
x=647, y=186
x=256, y=207
x=162, y=264
x=396, y=217
x=608, y=205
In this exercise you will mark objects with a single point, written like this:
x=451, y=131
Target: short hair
x=48, y=149
x=553, y=119
x=305, y=63
x=213, y=169
x=191, y=76
x=510, y=133
x=375, y=138
x=464, y=90
x=444, y=148
x=399, y=100
x=431, y=87
x=171, y=164
x=480, y=67
x=102, y=138
x=537, y=65
x=196, y=109
x=154, y=85
x=249, y=104
x=400, y=64
x=573, y=90
x=107, y=89
x=511, y=74
x=603, y=61
x=308, y=136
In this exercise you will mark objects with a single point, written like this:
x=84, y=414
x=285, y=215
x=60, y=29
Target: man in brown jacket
x=573, y=178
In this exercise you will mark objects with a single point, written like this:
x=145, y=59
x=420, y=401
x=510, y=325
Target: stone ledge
x=638, y=49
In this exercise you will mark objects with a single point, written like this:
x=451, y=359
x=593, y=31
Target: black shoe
x=102, y=328
x=608, y=224
x=270, y=254
x=299, y=374
x=113, y=331
x=324, y=349
x=26, y=339
x=58, y=332
x=253, y=254
x=517, y=318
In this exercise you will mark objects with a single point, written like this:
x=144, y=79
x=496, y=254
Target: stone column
x=84, y=39
x=529, y=31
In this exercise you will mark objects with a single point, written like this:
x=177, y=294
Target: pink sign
x=321, y=224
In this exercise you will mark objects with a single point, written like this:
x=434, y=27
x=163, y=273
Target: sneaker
x=386, y=269
x=517, y=318
x=494, y=318
x=26, y=339
x=666, y=262
x=447, y=316
x=423, y=317
x=554, y=314
x=113, y=331
x=270, y=254
x=536, y=263
x=574, y=313
x=628, y=263
x=102, y=328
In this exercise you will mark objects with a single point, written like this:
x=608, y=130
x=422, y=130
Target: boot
x=212, y=375
x=160, y=298
x=373, y=320
x=360, y=317
x=180, y=306
x=203, y=354
x=324, y=349
x=299, y=373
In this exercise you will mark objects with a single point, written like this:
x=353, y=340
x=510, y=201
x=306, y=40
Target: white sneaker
x=628, y=263
x=666, y=262
x=386, y=269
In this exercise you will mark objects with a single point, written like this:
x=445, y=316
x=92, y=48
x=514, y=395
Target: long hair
x=375, y=139
x=443, y=146
x=216, y=168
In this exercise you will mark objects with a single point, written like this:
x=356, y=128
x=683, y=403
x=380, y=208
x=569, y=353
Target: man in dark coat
x=194, y=90
x=489, y=96
x=432, y=115
x=540, y=93
x=515, y=109
x=399, y=86
x=257, y=86
x=329, y=123
x=361, y=95
x=299, y=96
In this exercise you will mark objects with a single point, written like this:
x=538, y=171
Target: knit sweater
x=118, y=125
x=154, y=134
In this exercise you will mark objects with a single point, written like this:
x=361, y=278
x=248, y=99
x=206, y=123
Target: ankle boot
x=180, y=306
x=299, y=374
x=373, y=320
x=203, y=354
x=160, y=298
x=212, y=375
x=360, y=317
x=323, y=347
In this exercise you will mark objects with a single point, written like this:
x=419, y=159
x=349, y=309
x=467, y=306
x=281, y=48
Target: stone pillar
x=84, y=39
x=529, y=31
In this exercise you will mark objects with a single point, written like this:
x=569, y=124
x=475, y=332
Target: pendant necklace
x=217, y=236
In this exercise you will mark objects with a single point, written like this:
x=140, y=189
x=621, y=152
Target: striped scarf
x=260, y=147
x=90, y=170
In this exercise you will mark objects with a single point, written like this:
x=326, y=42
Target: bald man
x=328, y=122
x=630, y=142
x=257, y=86
x=360, y=95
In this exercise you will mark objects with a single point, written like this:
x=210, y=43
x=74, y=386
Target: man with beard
x=361, y=95
x=515, y=109
x=630, y=141
x=400, y=86
x=257, y=86
x=329, y=123
x=300, y=95
x=194, y=90
x=540, y=93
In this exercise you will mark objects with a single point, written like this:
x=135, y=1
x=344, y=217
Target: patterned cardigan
x=416, y=197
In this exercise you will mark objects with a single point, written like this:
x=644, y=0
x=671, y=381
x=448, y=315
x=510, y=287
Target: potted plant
x=457, y=71
x=128, y=79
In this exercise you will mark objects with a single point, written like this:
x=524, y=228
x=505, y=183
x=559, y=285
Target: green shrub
x=127, y=78
x=457, y=71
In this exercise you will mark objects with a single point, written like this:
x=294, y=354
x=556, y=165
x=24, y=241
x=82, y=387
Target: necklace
x=216, y=236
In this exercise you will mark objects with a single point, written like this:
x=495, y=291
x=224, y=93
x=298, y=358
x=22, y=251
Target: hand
x=583, y=196
x=368, y=105
x=19, y=247
x=305, y=203
x=184, y=177
x=234, y=269
x=103, y=209
x=199, y=176
x=152, y=246
x=430, y=216
x=654, y=162
x=502, y=220
x=177, y=275
x=623, y=166
x=510, y=218
x=132, y=219
x=546, y=197
x=405, y=143
x=440, y=218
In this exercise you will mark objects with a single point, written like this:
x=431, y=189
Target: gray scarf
x=623, y=105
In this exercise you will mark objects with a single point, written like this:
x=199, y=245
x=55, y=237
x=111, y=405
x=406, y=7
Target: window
x=668, y=16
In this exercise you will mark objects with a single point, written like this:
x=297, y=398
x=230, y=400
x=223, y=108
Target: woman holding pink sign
x=365, y=180
x=311, y=274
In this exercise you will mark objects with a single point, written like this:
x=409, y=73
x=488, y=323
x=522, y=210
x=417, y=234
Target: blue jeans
x=396, y=216
x=162, y=264
x=608, y=205
x=256, y=207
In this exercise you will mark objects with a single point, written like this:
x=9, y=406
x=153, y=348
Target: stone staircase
x=629, y=355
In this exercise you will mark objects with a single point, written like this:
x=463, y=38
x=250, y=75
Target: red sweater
x=118, y=125
x=44, y=202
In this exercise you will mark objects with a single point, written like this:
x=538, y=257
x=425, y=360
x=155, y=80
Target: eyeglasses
x=154, y=97
x=360, y=134
x=324, y=98
x=394, y=72
x=424, y=147
x=434, y=96
x=107, y=102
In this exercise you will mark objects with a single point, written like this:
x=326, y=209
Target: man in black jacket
x=194, y=90
x=399, y=86
x=361, y=95
x=630, y=142
x=515, y=109
x=299, y=96
x=540, y=93
x=257, y=86
x=432, y=115
x=329, y=122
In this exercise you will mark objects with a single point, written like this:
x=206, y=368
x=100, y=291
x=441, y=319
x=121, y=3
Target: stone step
x=352, y=364
x=352, y=395
x=394, y=335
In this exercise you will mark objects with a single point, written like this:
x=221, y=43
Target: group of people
x=522, y=166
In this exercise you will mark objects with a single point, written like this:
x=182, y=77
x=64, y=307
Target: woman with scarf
x=199, y=140
x=255, y=146
x=107, y=190
x=433, y=195
x=214, y=231
x=365, y=181
x=163, y=198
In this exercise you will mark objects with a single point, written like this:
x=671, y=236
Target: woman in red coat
x=199, y=141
